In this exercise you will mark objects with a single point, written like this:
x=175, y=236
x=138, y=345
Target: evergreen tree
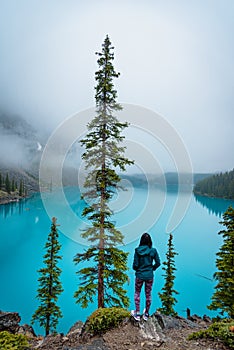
x=50, y=286
x=167, y=298
x=8, y=184
x=21, y=188
x=1, y=182
x=107, y=273
x=223, y=297
x=13, y=185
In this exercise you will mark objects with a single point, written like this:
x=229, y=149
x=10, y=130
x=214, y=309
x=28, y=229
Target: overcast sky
x=175, y=58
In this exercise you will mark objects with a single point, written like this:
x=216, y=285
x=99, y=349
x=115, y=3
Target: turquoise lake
x=24, y=228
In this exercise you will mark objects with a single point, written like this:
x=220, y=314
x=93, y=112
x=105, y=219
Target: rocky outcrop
x=59, y=342
x=154, y=332
x=9, y=321
x=160, y=331
x=27, y=330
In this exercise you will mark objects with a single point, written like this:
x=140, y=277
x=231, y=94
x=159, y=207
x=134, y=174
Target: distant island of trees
x=219, y=185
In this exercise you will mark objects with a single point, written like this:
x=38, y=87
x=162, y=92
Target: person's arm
x=157, y=260
x=135, y=261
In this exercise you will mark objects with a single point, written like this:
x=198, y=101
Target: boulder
x=52, y=341
x=9, y=321
x=154, y=331
x=151, y=332
x=76, y=328
x=166, y=322
x=27, y=330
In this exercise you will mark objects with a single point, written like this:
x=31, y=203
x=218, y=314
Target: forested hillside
x=218, y=185
x=16, y=184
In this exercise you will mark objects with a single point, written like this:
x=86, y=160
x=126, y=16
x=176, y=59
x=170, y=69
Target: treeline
x=219, y=185
x=11, y=186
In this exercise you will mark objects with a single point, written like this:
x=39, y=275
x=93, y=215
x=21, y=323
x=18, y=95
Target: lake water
x=24, y=228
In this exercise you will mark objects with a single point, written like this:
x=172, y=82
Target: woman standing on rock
x=146, y=261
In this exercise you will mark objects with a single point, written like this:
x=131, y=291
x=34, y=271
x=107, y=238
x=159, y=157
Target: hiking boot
x=145, y=315
x=136, y=315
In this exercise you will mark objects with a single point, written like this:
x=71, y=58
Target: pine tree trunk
x=50, y=283
x=102, y=218
x=101, y=256
x=47, y=328
x=101, y=278
x=101, y=245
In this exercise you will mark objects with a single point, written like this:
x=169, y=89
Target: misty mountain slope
x=19, y=144
x=16, y=125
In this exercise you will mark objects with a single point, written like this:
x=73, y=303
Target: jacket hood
x=143, y=250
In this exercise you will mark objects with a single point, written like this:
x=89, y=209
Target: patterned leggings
x=148, y=289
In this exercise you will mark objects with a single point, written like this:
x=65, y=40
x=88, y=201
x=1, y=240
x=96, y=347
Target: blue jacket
x=146, y=261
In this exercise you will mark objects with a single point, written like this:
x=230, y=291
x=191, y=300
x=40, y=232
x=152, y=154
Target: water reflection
x=12, y=208
x=216, y=206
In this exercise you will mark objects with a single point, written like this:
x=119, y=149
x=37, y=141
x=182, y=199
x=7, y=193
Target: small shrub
x=222, y=330
x=10, y=341
x=104, y=319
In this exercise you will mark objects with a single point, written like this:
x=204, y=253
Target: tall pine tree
x=167, y=296
x=13, y=185
x=8, y=184
x=50, y=286
x=106, y=274
x=223, y=297
x=21, y=188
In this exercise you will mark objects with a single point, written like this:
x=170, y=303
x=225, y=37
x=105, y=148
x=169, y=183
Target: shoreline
x=15, y=199
x=211, y=196
x=8, y=199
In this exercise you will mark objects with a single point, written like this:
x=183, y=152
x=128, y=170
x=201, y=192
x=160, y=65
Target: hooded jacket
x=146, y=260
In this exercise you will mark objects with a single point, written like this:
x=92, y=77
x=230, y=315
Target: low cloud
x=18, y=142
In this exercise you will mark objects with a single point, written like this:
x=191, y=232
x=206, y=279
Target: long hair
x=146, y=240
